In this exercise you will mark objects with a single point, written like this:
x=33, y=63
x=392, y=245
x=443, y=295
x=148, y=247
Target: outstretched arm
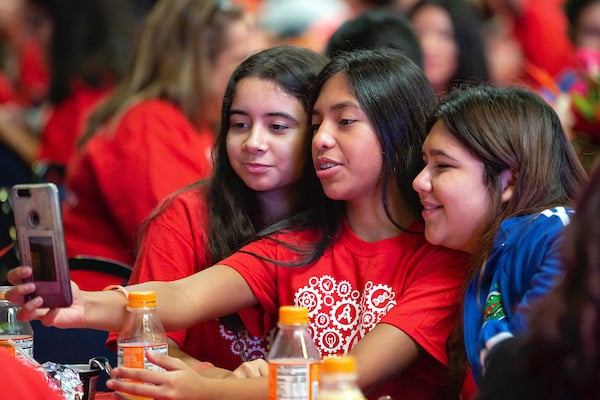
x=208, y=294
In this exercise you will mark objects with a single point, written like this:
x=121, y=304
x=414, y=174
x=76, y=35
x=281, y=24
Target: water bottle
x=141, y=332
x=294, y=360
x=338, y=379
x=19, y=333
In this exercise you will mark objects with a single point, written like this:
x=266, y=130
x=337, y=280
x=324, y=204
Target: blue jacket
x=523, y=265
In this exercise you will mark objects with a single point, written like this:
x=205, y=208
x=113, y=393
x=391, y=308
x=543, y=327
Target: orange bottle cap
x=142, y=299
x=293, y=315
x=337, y=365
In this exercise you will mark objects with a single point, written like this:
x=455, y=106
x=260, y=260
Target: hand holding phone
x=40, y=239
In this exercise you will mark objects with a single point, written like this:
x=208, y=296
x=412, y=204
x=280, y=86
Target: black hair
x=376, y=29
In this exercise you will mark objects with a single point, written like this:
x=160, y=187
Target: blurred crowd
x=124, y=104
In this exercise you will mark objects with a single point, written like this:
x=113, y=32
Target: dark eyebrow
x=281, y=114
x=340, y=106
x=344, y=104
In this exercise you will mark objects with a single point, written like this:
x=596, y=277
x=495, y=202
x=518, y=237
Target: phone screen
x=42, y=258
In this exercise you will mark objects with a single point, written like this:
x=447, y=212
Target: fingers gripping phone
x=38, y=222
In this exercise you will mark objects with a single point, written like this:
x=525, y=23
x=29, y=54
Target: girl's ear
x=508, y=178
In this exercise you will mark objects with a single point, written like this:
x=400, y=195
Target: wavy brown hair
x=179, y=42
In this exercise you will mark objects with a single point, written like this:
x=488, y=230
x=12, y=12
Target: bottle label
x=24, y=342
x=133, y=355
x=288, y=381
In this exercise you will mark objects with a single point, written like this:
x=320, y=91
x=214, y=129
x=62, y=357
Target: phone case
x=40, y=239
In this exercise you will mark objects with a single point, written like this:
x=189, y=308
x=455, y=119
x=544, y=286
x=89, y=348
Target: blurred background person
x=452, y=42
x=523, y=37
x=89, y=51
x=68, y=55
x=24, y=31
x=582, y=84
x=376, y=29
x=153, y=135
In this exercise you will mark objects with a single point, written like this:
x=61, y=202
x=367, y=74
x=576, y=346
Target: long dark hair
x=397, y=98
x=376, y=29
x=235, y=213
x=91, y=41
x=471, y=68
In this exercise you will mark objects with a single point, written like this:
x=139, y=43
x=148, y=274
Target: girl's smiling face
x=266, y=136
x=453, y=192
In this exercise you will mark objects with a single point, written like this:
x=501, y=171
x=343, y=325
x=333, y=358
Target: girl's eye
x=441, y=166
x=279, y=127
x=238, y=125
x=346, y=121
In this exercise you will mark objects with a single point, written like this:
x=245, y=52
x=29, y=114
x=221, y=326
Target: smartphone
x=40, y=240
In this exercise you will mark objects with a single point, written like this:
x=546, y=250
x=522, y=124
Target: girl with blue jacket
x=499, y=183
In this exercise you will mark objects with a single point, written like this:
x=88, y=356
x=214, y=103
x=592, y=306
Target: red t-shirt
x=20, y=381
x=124, y=172
x=402, y=281
x=66, y=123
x=33, y=75
x=175, y=245
x=7, y=92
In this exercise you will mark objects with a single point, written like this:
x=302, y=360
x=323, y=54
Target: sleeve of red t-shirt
x=261, y=276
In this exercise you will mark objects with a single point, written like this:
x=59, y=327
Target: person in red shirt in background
x=530, y=33
x=153, y=134
x=61, y=58
x=24, y=30
x=90, y=48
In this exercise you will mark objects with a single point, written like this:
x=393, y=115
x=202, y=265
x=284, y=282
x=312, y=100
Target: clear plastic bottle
x=338, y=379
x=10, y=328
x=294, y=360
x=141, y=332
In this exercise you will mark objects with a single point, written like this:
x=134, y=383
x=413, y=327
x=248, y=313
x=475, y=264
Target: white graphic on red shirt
x=246, y=346
x=340, y=314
